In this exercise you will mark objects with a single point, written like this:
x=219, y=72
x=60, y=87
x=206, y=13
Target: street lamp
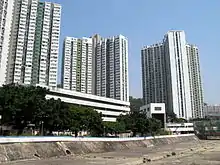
x=42, y=128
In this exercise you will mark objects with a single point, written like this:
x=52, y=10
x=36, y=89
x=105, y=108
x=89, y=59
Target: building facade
x=180, y=128
x=110, y=108
x=153, y=74
x=95, y=40
x=212, y=111
x=157, y=111
x=178, y=87
x=97, y=66
x=166, y=76
x=34, y=43
x=111, y=68
x=6, y=11
x=77, y=64
x=195, y=81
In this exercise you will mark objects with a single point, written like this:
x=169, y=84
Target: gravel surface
x=187, y=153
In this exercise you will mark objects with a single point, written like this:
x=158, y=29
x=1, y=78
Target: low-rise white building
x=155, y=110
x=110, y=108
x=180, y=128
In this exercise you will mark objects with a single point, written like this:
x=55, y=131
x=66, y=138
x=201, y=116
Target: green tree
x=19, y=104
x=55, y=116
x=126, y=120
x=180, y=120
x=22, y=105
x=114, y=128
x=119, y=127
x=75, y=120
x=137, y=122
x=135, y=103
x=93, y=121
x=134, y=121
x=153, y=126
x=171, y=116
x=83, y=118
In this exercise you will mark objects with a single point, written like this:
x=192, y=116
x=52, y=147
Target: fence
x=207, y=128
x=72, y=139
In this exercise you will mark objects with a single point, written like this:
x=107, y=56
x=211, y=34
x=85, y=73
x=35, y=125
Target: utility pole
x=1, y=123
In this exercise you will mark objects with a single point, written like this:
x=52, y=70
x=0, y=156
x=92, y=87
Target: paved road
x=188, y=153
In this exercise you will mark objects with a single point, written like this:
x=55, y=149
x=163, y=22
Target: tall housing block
x=171, y=75
x=34, y=43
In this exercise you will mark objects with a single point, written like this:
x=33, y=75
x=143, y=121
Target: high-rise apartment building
x=111, y=70
x=153, y=74
x=77, y=64
x=166, y=75
x=178, y=86
x=34, y=43
x=95, y=40
x=6, y=11
x=96, y=66
x=195, y=81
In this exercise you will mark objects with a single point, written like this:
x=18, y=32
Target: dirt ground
x=187, y=153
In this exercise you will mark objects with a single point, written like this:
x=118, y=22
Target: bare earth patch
x=186, y=153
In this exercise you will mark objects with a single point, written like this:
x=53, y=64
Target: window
x=157, y=108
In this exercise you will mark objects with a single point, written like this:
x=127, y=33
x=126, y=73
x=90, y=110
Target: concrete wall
x=30, y=139
x=41, y=150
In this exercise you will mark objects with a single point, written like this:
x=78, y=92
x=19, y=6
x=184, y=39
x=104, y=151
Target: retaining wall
x=36, y=148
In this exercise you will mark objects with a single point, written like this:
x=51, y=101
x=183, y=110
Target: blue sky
x=145, y=22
